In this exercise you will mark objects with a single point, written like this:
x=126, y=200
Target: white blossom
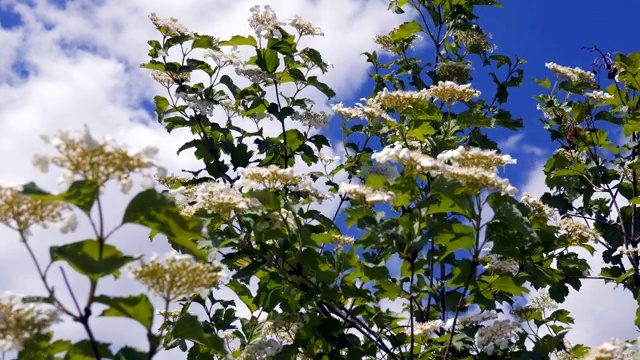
x=368, y=194
x=572, y=74
x=275, y=178
x=170, y=24
x=265, y=22
x=503, y=266
x=598, y=96
x=223, y=59
x=304, y=27
x=499, y=335
x=68, y=223
x=612, y=350
x=629, y=251
x=41, y=162
x=450, y=92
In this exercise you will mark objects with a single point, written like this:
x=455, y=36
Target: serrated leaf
x=135, y=307
x=81, y=193
x=89, y=258
x=158, y=212
x=238, y=40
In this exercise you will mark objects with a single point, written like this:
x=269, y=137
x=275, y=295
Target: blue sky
x=92, y=79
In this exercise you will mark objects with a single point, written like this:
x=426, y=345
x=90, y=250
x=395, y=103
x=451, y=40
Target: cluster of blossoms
x=450, y=92
x=197, y=103
x=284, y=326
x=365, y=193
x=343, y=239
x=573, y=74
x=275, y=178
x=455, y=71
x=370, y=111
x=222, y=59
x=212, y=197
x=98, y=160
x=176, y=276
x=475, y=40
x=20, y=212
x=261, y=349
x=543, y=302
x=312, y=119
x=612, y=350
x=503, y=266
x=622, y=251
x=408, y=158
x=425, y=329
x=169, y=24
x=472, y=319
x=265, y=22
x=304, y=27
x=399, y=99
x=500, y=334
x=598, y=96
x=373, y=108
x=473, y=167
x=20, y=321
x=579, y=232
x=256, y=75
x=538, y=209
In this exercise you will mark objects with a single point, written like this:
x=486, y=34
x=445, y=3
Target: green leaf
x=158, y=212
x=268, y=60
x=81, y=193
x=203, y=42
x=324, y=88
x=238, y=40
x=89, y=258
x=135, y=307
x=162, y=104
x=407, y=29
x=189, y=328
x=83, y=350
x=243, y=292
x=506, y=284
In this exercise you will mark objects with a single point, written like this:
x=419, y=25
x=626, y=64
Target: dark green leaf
x=82, y=193
x=89, y=258
x=135, y=307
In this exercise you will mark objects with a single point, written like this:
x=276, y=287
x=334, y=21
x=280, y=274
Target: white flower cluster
x=538, y=209
x=99, y=159
x=222, y=59
x=503, y=266
x=425, y=329
x=255, y=75
x=622, y=251
x=171, y=24
x=261, y=349
x=197, y=103
x=343, y=239
x=543, y=302
x=450, y=92
x=475, y=158
x=326, y=159
x=365, y=193
x=400, y=99
x=265, y=22
x=212, y=197
x=370, y=111
x=312, y=119
x=473, y=167
x=283, y=326
x=598, y=96
x=499, y=335
x=612, y=350
x=20, y=321
x=570, y=73
x=472, y=319
x=579, y=232
x=398, y=154
x=304, y=27
x=275, y=178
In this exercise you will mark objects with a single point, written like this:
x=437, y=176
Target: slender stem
x=73, y=296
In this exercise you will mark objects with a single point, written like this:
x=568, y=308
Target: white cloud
x=514, y=144
x=83, y=69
